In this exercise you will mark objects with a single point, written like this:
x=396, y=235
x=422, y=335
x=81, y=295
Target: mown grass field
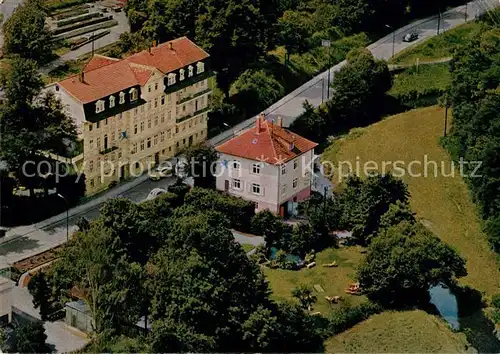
x=332, y=280
x=397, y=332
x=441, y=46
x=442, y=203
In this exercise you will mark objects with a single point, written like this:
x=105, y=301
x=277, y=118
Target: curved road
x=24, y=241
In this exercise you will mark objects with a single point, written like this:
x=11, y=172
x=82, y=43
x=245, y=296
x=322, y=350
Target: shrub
x=238, y=211
x=495, y=301
x=348, y=316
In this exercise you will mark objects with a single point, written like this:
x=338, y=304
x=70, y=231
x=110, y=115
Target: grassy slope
x=332, y=280
x=441, y=46
x=412, y=331
x=442, y=203
x=436, y=76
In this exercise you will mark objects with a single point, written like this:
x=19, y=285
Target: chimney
x=279, y=123
x=81, y=76
x=258, y=123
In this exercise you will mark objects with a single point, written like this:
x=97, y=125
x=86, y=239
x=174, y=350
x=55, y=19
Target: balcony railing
x=108, y=150
x=197, y=113
x=197, y=94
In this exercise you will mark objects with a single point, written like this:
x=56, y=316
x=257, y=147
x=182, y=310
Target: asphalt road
x=29, y=240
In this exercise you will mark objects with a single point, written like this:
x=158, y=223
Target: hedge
x=65, y=4
x=88, y=29
x=81, y=24
x=238, y=211
x=419, y=97
x=71, y=14
x=78, y=19
x=348, y=316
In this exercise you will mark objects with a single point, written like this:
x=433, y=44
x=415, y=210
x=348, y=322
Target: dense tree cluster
x=358, y=93
x=475, y=134
x=184, y=271
x=26, y=33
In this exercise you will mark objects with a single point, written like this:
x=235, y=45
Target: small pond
x=446, y=304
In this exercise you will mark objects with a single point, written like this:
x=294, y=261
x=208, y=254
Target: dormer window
x=122, y=97
x=133, y=94
x=200, y=67
x=99, y=106
x=181, y=74
x=190, y=70
x=111, y=101
x=171, y=79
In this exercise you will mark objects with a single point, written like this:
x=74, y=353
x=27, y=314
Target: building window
x=142, y=145
x=181, y=74
x=156, y=86
x=200, y=67
x=156, y=103
x=135, y=129
x=295, y=164
x=283, y=189
x=162, y=118
x=236, y=184
x=106, y=121
x=162, y=137
x=111, y=101
x=171, y=79
x=134, y=149
x=122, y=97
x=149, y=143
x=190, y=70
x=149, y=123
x=256, y=188
x=155, y=139
x=169, y=134
x=142, y=126
x=156, y=121
x=133, y=94
x=162, y=100
x=90, y=127
x=295, y=183
x=283, y=169
x=135, y=111
x=99, y=106
x=105, y=141
x=91, y=166
x=98, y=143
x=91, y=143
x=236, y=165
x=256, y=168
x=149, y=88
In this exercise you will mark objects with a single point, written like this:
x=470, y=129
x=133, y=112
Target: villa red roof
x=270, y=143
x=103, y=76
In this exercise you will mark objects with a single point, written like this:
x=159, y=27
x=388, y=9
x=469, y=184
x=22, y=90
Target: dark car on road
x=410, y=37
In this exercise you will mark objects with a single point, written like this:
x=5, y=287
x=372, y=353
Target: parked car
x=161, y=172
x=155, y=193
x=410, y=37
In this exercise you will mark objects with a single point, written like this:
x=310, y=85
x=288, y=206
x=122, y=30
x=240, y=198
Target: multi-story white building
x=6, y=286
x=268, y=165
x=137, y=111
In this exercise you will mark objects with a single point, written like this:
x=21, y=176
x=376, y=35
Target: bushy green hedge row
x=238, y=211
x=72, y=20
x=65, y=4
x=348, y=316
x=81, y=24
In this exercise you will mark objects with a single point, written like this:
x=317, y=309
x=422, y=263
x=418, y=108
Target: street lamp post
x=67, y=215
x=393, y=39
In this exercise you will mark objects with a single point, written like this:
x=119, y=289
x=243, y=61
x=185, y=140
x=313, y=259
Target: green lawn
x=247, y=248
x=332, y=280
x=442, y=203
x=397, y=332
x=441, y=46
x=423, y=78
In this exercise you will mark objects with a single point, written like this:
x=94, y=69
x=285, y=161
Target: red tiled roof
x=104, y=76
x=273, y=144
x=98, y=61
x=183, y=52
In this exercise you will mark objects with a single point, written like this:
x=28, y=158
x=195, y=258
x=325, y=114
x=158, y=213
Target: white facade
x=269, y=186
x=6, y=286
